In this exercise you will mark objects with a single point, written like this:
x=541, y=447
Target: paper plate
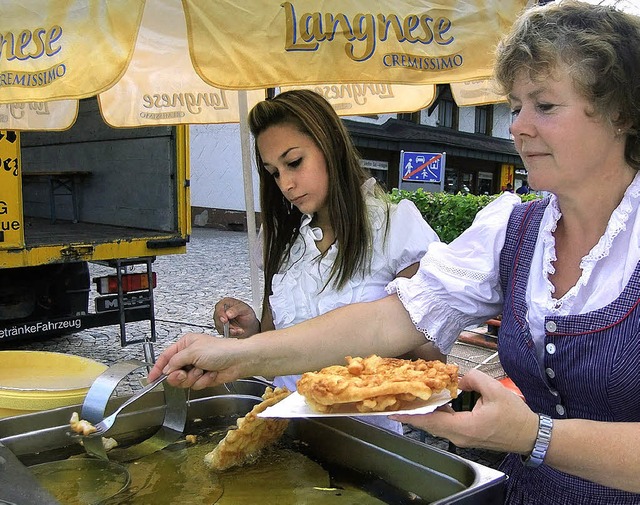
x=295, y=405
x=39, y=380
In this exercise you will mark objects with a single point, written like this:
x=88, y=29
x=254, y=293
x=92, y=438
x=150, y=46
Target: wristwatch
x=535, y=459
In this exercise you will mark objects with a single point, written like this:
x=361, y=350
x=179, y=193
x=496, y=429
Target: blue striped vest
x=591, y=367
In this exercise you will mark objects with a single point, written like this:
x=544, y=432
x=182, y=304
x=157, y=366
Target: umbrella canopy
x=173, y=62
x=149, y=93
x=305, y=42
x=182, y=62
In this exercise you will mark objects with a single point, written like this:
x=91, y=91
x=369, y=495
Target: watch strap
x=539, y=451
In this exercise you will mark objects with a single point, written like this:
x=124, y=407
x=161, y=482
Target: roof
x=398, y=134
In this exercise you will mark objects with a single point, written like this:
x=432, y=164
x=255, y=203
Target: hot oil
x=282, y=475
x=78, y=481
x=175, y=474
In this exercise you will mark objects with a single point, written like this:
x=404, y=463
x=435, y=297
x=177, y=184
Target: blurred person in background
x=524, y=188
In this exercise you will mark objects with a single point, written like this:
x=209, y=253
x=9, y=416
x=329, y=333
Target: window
x=484, y=119
x=447, y=113
x=485, y=183
x=414, y=117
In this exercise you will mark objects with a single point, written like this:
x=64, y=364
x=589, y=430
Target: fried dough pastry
x=376, y=384
x=80, y=425
x=253, y=433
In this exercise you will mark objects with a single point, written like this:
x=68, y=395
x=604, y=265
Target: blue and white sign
x=422, y=167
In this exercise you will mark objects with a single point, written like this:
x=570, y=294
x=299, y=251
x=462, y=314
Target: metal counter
x=436, y=476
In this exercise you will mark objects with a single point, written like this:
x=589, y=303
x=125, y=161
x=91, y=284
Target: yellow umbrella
x=171, y=62
x=305, y=42
x=476, y=92
x=71, y=49
x=42, y=115
x=160, y=85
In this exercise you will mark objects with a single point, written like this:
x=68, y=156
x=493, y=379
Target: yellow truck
x=118, y=197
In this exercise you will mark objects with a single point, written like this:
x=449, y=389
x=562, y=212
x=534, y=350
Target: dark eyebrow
x=282, y=156
x=533, y=94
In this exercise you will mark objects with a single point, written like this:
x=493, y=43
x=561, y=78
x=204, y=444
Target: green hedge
x=449, y=215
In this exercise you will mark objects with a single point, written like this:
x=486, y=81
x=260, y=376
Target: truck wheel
x=68, y=294
x=16, y=301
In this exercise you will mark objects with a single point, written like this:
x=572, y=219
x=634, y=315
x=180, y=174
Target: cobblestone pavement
x=216, y=265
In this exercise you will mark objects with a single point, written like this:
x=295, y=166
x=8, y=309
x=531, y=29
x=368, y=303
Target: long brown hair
x=313, y=116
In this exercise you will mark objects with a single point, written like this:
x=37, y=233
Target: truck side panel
x=11, y=222
x=88, y=194
x=131, y=193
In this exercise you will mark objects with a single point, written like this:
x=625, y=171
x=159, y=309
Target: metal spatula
x=105, y=425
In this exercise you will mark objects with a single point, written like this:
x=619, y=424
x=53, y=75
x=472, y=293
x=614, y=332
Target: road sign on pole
x=421, y=167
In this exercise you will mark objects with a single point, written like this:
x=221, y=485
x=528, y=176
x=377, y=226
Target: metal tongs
x=105, y=425
x=225, y=326
x=230, y=387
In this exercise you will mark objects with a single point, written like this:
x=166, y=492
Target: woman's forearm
x=381, y=327
x=607, y=453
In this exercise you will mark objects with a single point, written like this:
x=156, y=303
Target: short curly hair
x=601, y=47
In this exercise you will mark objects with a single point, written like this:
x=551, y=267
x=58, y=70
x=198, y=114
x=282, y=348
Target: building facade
x=480, y=157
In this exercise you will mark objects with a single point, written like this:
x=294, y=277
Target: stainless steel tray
x=438, y=477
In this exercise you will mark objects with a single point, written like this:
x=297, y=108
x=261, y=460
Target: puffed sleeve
x=409, y=236
x=458, y=284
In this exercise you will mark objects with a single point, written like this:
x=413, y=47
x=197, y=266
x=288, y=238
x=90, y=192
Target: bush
x=449, y=215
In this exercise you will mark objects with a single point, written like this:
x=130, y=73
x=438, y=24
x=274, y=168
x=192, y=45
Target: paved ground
x=217, y=264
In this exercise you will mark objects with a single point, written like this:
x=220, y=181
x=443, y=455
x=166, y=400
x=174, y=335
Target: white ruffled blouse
x=458, y=284
x=299, y=291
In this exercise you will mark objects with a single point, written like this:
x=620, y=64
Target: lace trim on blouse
x=549, y=243
x=617, y=223
x=459, y=272
x=415, y=318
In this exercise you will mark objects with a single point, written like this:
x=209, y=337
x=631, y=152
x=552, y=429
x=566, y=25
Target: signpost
x=422, y=167
x=422, y=171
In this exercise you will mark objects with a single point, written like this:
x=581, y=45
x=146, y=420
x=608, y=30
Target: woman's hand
x=500, y=420
x=198, y=361
x=240, y=316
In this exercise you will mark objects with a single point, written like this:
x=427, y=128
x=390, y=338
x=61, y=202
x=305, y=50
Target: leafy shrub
x=449, y=215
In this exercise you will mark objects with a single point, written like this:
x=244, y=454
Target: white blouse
x=458, y=284
x=299, y=291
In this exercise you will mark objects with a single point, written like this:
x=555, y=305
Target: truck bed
x=95, y=193
x=41, y=232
